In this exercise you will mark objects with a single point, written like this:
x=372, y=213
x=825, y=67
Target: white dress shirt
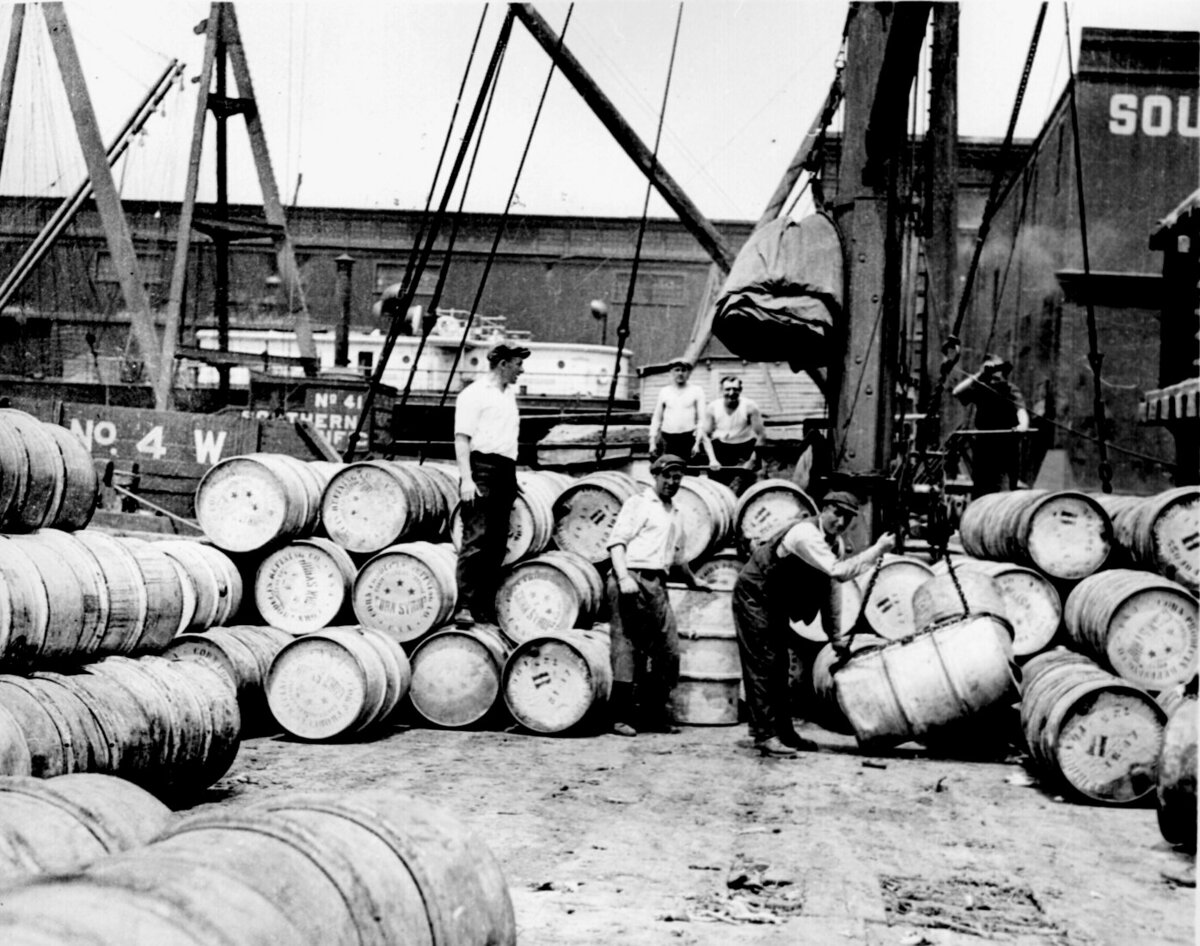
x=488, y=415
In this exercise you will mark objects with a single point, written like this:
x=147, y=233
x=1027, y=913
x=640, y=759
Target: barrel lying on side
x=407, y=590
x=765, y=508
x=1140, y=625
x=456, y=674
x=344, y=870
x=58, y=825
x=1066, y=535
x=552, y=683
x=552, y=592
x=889, y=608
x=706, y=508
x=1159, y=533
x=585, y=511
x=370, y=505
x=305, y=585
x=47, y=478
x=1092, y=733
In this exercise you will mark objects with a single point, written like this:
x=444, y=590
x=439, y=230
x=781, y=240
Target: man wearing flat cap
x=790, y=577
x=676, y=426
x=999, y=405
x=486, y=429
x=646, y=542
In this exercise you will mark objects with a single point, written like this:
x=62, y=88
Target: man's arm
x=964, y=386
x=1022, y=419
x=709, y=425
x=656, y=418
x=754, y=415
x=806, y=543
x=467, y=490
x=624, y=580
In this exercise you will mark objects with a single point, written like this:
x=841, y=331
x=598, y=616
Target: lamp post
x=600, y=314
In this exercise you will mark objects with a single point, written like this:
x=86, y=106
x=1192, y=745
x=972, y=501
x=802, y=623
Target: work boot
x=789, y=737
x=623, y=729
x=775, y=747
x=464, y=618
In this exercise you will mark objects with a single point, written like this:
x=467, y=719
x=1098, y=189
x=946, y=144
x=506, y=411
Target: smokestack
x=341, y=345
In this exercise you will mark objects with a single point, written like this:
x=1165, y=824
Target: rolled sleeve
x=466, y=413
x=628, y=522
x=807, y=543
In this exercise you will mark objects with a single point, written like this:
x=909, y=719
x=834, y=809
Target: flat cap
x=503, y=351
x=668, y=461
x=841, y=500
x=681, y=363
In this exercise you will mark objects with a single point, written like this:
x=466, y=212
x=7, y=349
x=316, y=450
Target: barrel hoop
x=87, y=819
x=963, y=706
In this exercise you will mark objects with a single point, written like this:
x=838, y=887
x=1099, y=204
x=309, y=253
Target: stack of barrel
x=369, y=867
x=1090, y=709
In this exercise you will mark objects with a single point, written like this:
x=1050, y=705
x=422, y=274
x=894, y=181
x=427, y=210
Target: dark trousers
x=485, y=533
x=995, y=465
x=645, y=651
x=734, y=454
x=679, y=444
x=764, y=636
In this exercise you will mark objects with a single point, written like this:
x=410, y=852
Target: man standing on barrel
x=791, y=577
x=486, y=428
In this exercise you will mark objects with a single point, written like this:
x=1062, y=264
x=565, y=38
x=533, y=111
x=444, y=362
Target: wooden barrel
x=14, y=471
x=1140, y=625
x=814, y=630
x=407, y=590
x=45, y=732
x=305, y=585
x=889, y=610
x=719, y=569
x=552, y=592
x=24, y=607
x=531, y=522
x=1065, y=535
x=15, y=757
x=247, y=503
x=81, y=485
x=945, y=597
x=765, y=508
x=1030, y=601
x=820, y=701
x=59, y=825
x=555, y=681
x=204, y=585
x=371, y=505
x=128, y=594
x=1175, y=789
x=165, y=612
x=1159, y=533
x=336, y=681
x=706, y=508
x=45, y=473
x=710, y=668
x=456, y=675
x=1091, y=733
x=585, y=511
x=938, y=677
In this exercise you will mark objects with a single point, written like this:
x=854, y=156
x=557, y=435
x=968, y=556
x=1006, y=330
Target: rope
x=491, y=257
x=407, y=296
x=623, y=328
x=952, y=348
x=1095, y=358
x=954, y=578
x=860, y=621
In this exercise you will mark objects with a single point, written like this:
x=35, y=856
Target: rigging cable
x=1095, y=357
x=405, y=299
x=623, y=328
x=491, y=257
x=952, y=348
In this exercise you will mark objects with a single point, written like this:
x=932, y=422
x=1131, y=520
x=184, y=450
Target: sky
x=356, y=96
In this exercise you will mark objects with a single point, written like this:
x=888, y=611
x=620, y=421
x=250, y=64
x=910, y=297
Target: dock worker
x=999, y=405
x=646, y=542
x=486, y=431
x=791, y=577
x=733, y=434
x=675, y=425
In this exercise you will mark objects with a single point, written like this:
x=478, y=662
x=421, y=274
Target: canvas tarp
x=783, y=296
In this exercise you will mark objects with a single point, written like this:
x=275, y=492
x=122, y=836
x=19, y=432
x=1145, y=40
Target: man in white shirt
x=790, y=577
x=486, y=430
x=733, y=432
x=646, y=542
x=675, y=425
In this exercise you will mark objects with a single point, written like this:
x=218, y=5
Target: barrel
x=1159, y=533
x=1092, y=734
x=246, y=503
x=889, y=610
x=552, y=592
x=1175, y=789
x=214, y=580
x=851, y=604
x=821, y=703
x=946, y=597
x=15, y=757
x=706, y=510
x=165, y=611
x=42, y=727
x=456, y=675
x=1065, y=535
x=585, y=511
x=369, y=867
x=719, y=569
x=337, y=681
x=59, y=825
x=45, y=473
x=14, y=472
x=1030, y=600
x=710, y=668
x=81, y=485
x=938, y=677
x=373, y=504
x=1140, y=625
x=553, y=682
x=531, y=521
x=765, y=508
x=305, y=585
x=406, y=590
x=128, y=594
